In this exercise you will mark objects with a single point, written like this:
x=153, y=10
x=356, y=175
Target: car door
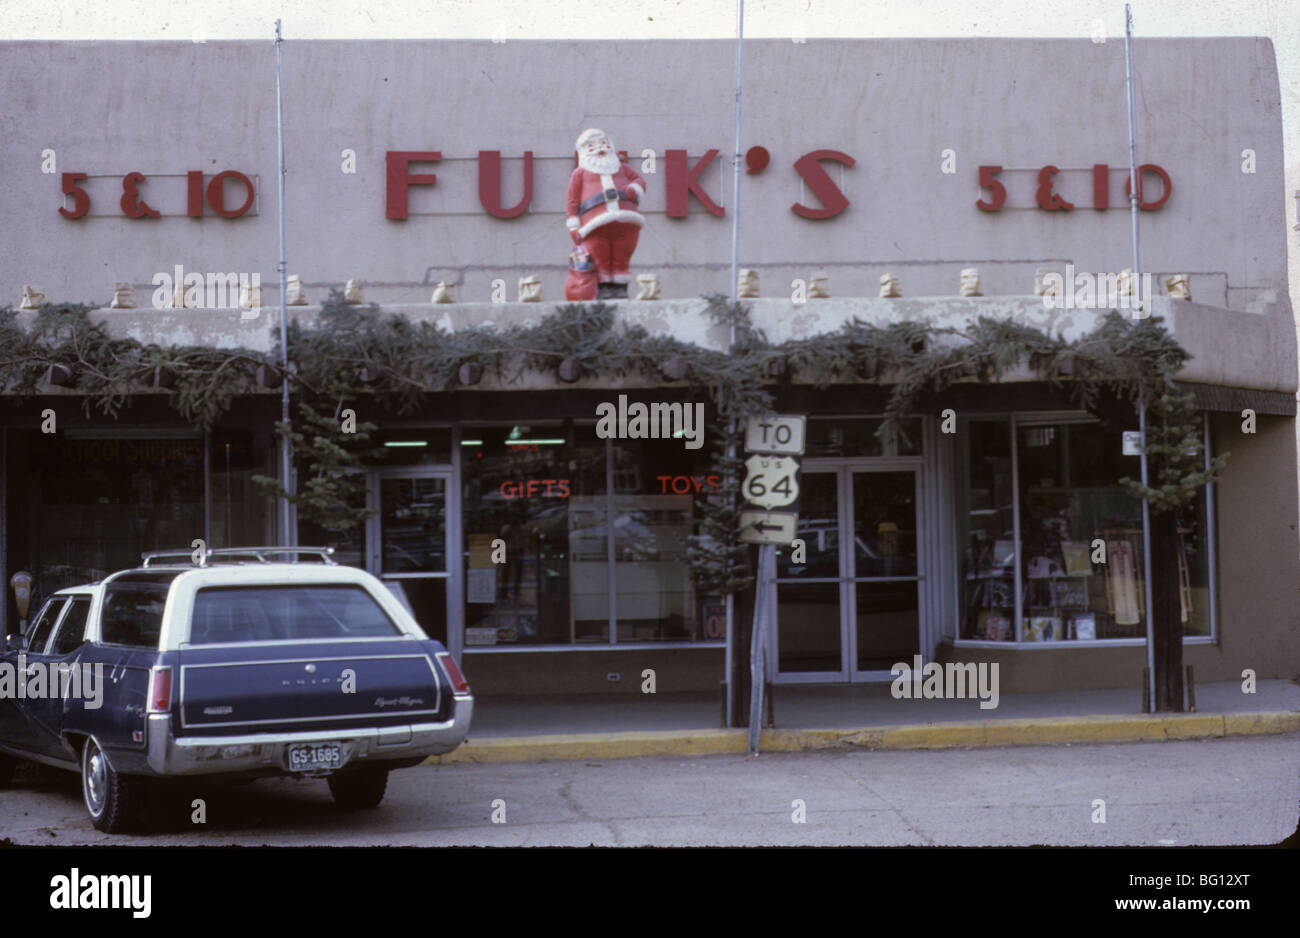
x=60, y=663
x=16, y=727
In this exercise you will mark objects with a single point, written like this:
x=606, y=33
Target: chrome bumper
x=266, y=752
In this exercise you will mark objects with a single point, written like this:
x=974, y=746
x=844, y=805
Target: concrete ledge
x=1023, y=732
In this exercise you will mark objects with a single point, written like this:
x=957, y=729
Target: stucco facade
x=886, y=137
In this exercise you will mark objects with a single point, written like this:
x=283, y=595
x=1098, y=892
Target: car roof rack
x=326, y=554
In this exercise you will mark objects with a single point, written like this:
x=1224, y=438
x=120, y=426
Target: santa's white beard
x=606, y=165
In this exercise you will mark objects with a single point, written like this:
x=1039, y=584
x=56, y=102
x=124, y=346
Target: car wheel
x=361, y=789
x=7, y=766
x=113, y=801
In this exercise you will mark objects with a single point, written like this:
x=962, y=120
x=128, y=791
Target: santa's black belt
x=603, y=197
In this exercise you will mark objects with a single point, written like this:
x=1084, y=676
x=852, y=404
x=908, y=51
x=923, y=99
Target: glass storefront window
x=424, y=446
x=856, y=436
x=656, y=485
x=539, y=489
x=986, y=531
x=1069, y=497
x=88, y=504
x=240, y=513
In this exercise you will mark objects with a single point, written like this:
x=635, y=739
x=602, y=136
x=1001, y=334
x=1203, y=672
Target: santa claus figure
x=603, y=198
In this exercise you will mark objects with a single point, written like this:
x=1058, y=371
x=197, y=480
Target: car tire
x=7, y=766
x=113, y=801
x=354, y=791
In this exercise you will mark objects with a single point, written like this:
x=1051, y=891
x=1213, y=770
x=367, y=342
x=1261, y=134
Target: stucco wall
x=894, y=105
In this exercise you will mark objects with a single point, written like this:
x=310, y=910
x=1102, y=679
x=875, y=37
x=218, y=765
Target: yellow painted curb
x=977, y=733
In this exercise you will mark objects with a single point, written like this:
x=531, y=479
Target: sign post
x=771, y=482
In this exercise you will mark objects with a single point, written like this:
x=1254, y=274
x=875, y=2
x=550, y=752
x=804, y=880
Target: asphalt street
x=1243, y=790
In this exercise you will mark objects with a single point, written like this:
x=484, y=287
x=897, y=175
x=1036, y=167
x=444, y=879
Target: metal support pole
x=1142, y=410
x=286, y=478
x=762, y=614
x=730, y=658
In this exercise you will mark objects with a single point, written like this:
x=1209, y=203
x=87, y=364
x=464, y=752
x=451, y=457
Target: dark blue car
x=238, y=667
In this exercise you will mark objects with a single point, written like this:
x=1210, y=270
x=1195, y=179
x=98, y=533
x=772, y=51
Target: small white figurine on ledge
x=443, y=292
x=1179, y=286
x=123, y=296
x=747, y=283
x=530, y=289
x=647, y=286
x=294, y=294
x=33, y=298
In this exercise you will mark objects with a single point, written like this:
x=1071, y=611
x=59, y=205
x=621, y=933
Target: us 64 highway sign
x=771, y=481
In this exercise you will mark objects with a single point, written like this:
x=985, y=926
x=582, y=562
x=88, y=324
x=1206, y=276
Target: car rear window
x=286, y=613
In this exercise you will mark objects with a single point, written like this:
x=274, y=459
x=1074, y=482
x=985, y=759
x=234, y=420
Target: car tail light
x=160, y=690
x=458, y=682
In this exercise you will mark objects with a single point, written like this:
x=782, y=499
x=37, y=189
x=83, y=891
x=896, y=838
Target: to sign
x=1132, y=443
x=767, y=527
x=771, y=481
x=777, y=435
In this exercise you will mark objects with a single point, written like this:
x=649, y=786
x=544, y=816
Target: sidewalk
x=520, y=729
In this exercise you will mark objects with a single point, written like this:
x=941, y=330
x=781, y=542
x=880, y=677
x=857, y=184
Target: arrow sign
x=771, y=481
x=767, y=527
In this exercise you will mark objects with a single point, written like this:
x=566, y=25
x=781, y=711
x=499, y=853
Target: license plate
x=314, y=757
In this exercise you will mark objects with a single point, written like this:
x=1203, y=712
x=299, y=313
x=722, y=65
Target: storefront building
x=411, y=163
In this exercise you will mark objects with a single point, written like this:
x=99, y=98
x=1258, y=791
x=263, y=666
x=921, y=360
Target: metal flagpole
x=1142, y=409
x=285, y=471
x=729, y=664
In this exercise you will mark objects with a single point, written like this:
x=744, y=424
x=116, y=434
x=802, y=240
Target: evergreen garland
x=352, y=351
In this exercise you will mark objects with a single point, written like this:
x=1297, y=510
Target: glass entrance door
x=851, y=608
x=411, y=548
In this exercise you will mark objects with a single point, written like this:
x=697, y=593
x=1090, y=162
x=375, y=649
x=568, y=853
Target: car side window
x=72, y=631
x=132, y=613
x=45, y=620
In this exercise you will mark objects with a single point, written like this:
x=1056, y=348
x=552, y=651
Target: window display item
x=1069, y=592
x=1077, y=561
x=997, y=628
x=1042, y=567
x=1043, y=629
x=1083, y=627
x=1121, y=582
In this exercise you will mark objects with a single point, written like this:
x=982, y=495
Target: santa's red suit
x=602, y=211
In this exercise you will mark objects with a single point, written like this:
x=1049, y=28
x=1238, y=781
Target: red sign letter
x=1047, y=199
x=400, y=177
x=489, y=184
x=683, y=181
x=1100, y=185
x=194, y=184
x=988, y=182
x=80, y=200
x=820, y=183
x=217, y=194
x=1164, y=177
x=132, y=205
